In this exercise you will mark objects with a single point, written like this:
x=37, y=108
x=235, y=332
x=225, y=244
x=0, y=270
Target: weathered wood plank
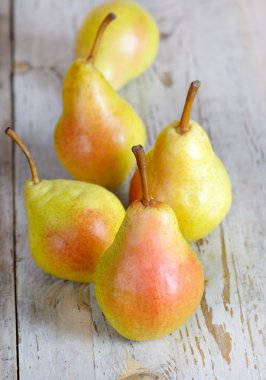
x=8, y=359
x=207, y=41
x=219, y=43
x=54, y=316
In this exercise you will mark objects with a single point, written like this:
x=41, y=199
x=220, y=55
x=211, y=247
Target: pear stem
x=140, y=157
x=97, y=41
x=183, y=126
x=34, y=173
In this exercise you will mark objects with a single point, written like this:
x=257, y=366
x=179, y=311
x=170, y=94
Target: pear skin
x=71, y=224
x=130, y=44
x=97, y=127
x=149, y=282
x=184, y=171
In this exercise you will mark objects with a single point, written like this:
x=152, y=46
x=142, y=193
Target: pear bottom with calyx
x=71, y=225
x=184, y=171
x=149, y=282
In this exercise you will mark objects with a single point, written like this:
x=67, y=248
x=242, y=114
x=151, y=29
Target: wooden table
x=53, y=329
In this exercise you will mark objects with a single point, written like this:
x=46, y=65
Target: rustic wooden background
x=53, y=329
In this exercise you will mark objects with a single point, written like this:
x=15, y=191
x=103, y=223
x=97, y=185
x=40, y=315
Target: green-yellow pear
x=97, y=127
x=130, y=45
x=149, y=282
x=71, y=224
x=184, y=171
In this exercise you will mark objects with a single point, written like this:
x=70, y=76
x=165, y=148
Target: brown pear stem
x=140, y=157
x=19, y=142
x=97, y=41
x=183, y=126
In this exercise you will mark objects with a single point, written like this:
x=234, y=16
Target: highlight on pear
x=184, y=171
x=70, y=223
x=130, y=45
x=97, y=127
x=149, y=282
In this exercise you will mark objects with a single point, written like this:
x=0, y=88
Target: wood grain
x=62, y=332
x=8, y=355
x=218, y=342
x=54, y=316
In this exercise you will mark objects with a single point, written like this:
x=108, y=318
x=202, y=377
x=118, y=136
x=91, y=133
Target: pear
x=184, y=171
x=97, y=127
x=149, y=282
x=71, y=223
x=130, y=45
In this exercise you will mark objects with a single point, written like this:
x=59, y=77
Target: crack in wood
x=221, y=337
x=238, y=293
x=226, y=289
x=200, y=350
x=251, y=341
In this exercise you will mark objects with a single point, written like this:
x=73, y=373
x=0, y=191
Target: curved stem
x=140, y=157
x=19, y=142
x=97, y=41
x=183, y=126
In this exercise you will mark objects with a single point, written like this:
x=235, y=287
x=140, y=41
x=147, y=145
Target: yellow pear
x=71, y=223
x=184, y=171
x=130, y=45
x=97, y=127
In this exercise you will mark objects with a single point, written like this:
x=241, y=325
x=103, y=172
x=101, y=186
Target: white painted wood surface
x=60, y=331
x=8, y=361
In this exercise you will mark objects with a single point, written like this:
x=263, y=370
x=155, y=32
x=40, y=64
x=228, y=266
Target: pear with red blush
x=149, y=282
x=71, y=223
